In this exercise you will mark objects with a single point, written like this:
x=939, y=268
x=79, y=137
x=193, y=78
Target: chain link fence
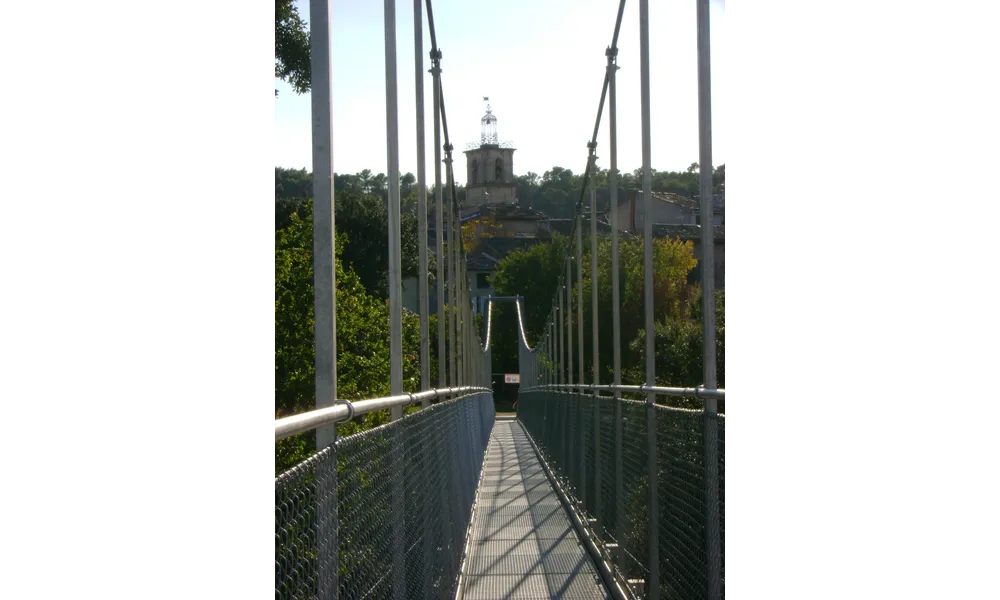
x=383, y=513
x=563, y=426
x=722, y=497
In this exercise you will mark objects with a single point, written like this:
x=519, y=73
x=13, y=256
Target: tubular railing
x=598, y=446
x=338, y=531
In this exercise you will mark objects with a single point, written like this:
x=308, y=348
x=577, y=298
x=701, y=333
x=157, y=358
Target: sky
x=541, y=63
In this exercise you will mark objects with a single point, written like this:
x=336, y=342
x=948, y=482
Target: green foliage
x=365, y=222
x=291, y=46
x=534, y=273
x=361, y=218
x=679, y=351
x=362, y=337
x=673, y=296
x=557, y=191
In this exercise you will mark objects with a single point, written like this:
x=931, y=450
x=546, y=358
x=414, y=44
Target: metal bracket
x=614, y=552
x=350, y=410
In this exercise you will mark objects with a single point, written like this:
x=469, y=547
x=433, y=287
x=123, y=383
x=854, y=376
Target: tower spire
x=489, y=126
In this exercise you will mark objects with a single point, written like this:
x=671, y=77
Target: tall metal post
x=470, y=322
x=460, y=313
x=395, y=300
x=553, y=348
x=616, y=330
x=452, y=279
x=550, y=334
x=647, y=196
x=425, y=356
x=569, y=320
x=453, y=242
x=594, y=332
x=274, y=397
x=725, y=283
x=561, y=341
x=548, y=353
x=712, y=526
x=463, y=312
x=579, y=297
x=439, y=258
x=324, y=286
x=582, y=377
x=563, y=371
x=469, y=332
x=596, y=378
x=547, y=372
x=395, y=270
x=418, y=73
x=460, y=303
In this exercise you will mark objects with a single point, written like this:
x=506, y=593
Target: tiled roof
x=565, y=226
x=686, y=232
x=689, y=203
x=718, y=200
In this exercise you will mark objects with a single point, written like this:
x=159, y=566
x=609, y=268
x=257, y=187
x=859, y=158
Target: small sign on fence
x=512, y=378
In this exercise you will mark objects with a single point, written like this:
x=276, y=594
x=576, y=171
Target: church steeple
x=490, y=166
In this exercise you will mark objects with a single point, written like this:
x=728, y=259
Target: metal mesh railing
x=383, y=513
x=681, y=485
x=722, y=497
x=621, y=515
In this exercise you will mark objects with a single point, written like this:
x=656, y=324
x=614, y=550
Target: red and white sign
x=512, y=378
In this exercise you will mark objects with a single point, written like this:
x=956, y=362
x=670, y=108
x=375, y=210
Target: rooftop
x=693, y=204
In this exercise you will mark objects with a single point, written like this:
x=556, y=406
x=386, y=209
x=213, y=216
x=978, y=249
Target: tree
x=291, y=47
x=365, y=177
x=480, y=228
x=361, y=219
x=379, y=185
x=348, y=183
x=365, y=221
x=406, y=183
x=534, y=274
x=362, y=337
x=679, y=351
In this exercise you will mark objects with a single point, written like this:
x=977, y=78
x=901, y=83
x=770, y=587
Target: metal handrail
x=697, y=392
x=346, y=409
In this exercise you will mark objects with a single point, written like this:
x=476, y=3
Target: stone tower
x=489, y=168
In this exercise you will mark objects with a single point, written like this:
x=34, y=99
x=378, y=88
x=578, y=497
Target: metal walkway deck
x=523, y=544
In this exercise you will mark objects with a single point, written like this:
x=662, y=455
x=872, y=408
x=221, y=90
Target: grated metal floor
x=523, y=544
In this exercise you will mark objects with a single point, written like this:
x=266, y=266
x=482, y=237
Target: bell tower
x=489, y=167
